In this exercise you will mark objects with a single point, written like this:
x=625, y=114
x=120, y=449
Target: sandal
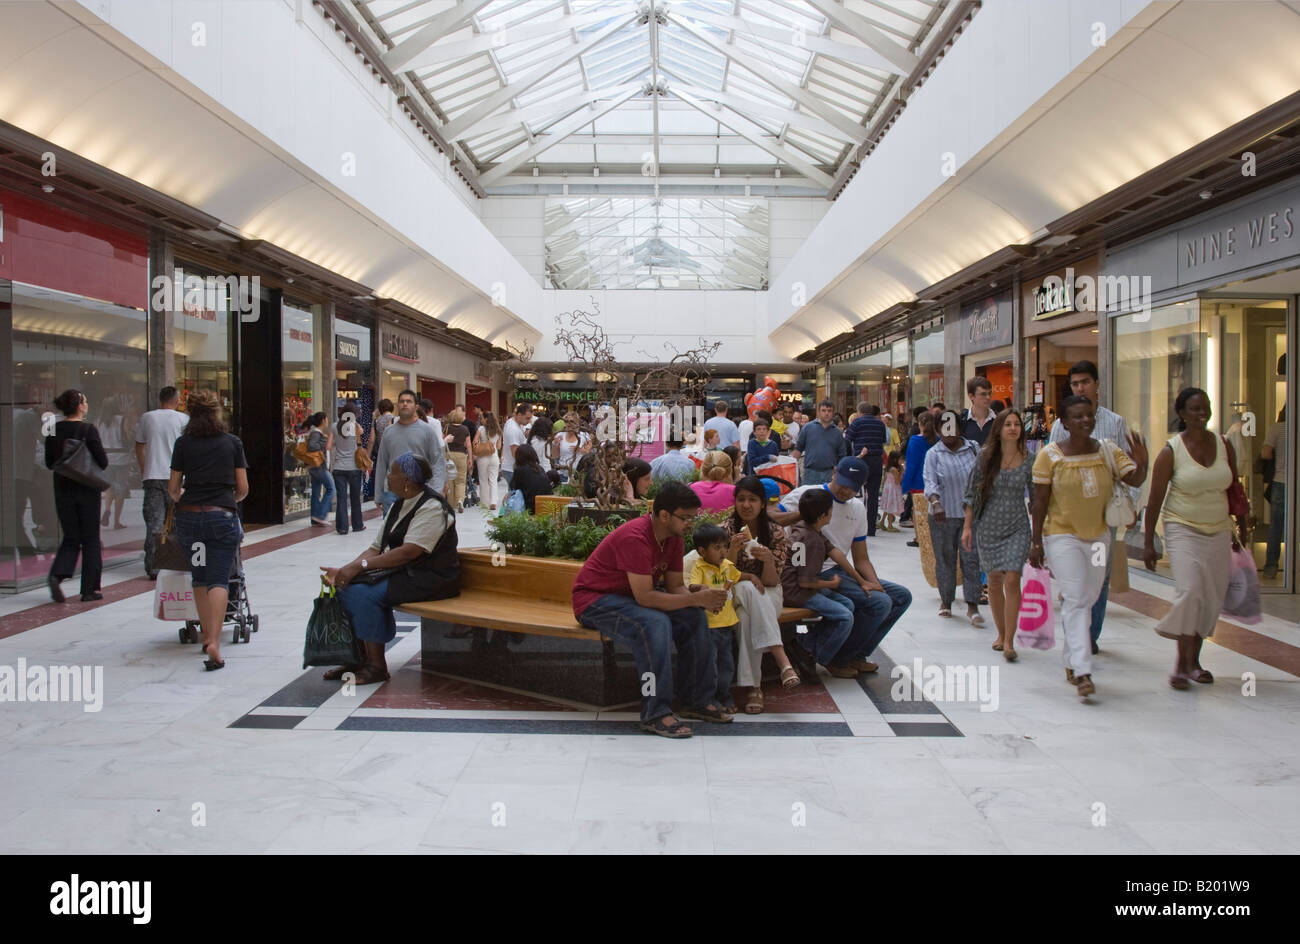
x=997, y=647
x=1179, y=681
x=975, y=619
x=1201, y=675
x=1010, y=655
x=707, y=713
x=674, y=730
x=336, y=674
x=369, y=675
x=211, y=665
x=789, y=679
x=945, y=612
x=754, y=704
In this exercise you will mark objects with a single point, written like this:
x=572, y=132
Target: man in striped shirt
x=947, y=473
x=1109, y=425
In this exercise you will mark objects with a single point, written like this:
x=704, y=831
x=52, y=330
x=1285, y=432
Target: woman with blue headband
x=413, y=558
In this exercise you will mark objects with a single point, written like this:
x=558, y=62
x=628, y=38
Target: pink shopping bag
x=1242, y=601
x=1036, y=627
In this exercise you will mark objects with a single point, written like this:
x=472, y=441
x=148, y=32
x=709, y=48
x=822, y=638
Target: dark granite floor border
x=539, y=726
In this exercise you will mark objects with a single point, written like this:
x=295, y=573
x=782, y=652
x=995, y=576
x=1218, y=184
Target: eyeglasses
x=687, y=519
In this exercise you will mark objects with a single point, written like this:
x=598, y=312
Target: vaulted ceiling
x=651, y=96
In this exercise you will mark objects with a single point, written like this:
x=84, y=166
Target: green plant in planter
x=654, y=488
x=567, y=490
x=705, y=517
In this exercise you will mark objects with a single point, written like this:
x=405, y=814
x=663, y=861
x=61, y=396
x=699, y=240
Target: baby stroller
x=238, y=610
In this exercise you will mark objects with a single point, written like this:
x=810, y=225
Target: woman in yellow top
x=1191, y=478
x=1072, y=485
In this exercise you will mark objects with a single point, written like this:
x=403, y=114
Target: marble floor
x=180, y=760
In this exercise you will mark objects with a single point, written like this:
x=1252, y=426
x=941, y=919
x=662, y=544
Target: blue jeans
x=650, y=634
x=348, y=483
x=825, y=639
x=874, y=614
x=724, y=662
x=220, y=533
x=1276, y=525
x=1099, y=608
x=322, y=493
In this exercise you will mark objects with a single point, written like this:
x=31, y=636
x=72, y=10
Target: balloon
x=762, y=400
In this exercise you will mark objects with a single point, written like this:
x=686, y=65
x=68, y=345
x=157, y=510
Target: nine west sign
x=401, y=347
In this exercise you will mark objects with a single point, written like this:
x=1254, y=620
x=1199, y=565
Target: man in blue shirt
x=867, y=436
x=728, y=435
x=672, y=464
x=822, y=445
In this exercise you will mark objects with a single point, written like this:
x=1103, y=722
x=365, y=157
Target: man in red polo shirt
x=631, y=590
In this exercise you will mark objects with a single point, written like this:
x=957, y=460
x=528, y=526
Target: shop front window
x=301, y=386
x=61, y=341
x=870, y=379
x=393, y=382
x=927, y=369
x=1155, y=357
x=204, y=341
x=1246, y=378
x=354, y=372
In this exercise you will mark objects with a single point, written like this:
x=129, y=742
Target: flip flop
x=211, y=665
x=997, y=647
x=1201, y=675
x=1010, y=655
x=1179, y=682
x=675, y=730
x=707, y=713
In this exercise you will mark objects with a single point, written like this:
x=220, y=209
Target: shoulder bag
x=78, y=465
x=311, y=459
x=1238, y=504
x=363, y=460
x=1120, y=512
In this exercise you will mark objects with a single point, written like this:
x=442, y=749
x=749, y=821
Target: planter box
x=576, y=513
x=546, y=505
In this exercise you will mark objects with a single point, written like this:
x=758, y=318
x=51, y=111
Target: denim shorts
x=220, y=533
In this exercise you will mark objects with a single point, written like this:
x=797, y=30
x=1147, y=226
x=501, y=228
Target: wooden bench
x=480, y=635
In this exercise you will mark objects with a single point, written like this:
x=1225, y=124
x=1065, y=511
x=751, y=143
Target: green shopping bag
x=330, y=639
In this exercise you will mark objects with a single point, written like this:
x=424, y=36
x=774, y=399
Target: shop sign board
x=400, y=347
x=986, y=324
x=347, y=349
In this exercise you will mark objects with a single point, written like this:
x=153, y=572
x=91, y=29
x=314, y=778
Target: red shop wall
x=48, y=246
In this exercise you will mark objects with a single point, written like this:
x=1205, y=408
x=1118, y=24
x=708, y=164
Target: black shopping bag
x=330, y=639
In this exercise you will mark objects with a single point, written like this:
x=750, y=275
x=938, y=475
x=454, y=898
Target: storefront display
x=1059, y=327
x=927, y=368
x=298, y=331
x=74, y=316
x=1224, y=287
x=984, y=343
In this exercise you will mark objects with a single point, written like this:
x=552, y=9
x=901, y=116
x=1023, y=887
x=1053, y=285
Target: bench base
x=590, y=674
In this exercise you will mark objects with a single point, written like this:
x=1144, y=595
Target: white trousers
x=489, y=469
x=1079, y=569
x=760, y=628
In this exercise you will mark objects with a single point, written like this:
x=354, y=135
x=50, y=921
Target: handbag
x=1238, y=504
x=451, y=470
x=170, y=555
x=1120, y=510
x=483, y=449
x=330, y=637
x=78, y=465
x=312, y=459
x=364, y=462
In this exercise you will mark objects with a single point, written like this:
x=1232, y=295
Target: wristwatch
x=365, y=564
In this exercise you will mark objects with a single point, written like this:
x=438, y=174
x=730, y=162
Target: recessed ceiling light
x=1205, y=194
x=48, y=188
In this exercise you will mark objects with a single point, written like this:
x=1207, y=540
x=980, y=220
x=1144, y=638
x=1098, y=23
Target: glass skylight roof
x=645, y=93
x=681, y=243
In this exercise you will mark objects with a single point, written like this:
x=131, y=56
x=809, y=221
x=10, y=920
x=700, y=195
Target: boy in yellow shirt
x=714, y=572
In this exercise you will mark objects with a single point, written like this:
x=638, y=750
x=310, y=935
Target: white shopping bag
x=174, y=597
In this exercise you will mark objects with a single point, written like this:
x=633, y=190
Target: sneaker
x=1083, y=684
x=913, y=544
x=862, y=665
